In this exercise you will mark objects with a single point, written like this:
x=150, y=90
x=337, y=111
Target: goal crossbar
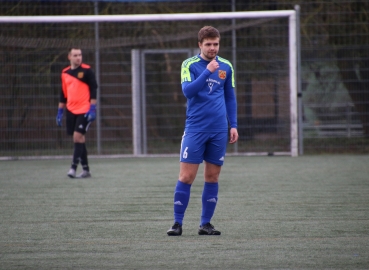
x=147, y=17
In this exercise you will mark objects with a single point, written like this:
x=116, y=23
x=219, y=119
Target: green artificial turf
x=310, y=212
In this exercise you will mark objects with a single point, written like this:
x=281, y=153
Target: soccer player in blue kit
x=208, y=84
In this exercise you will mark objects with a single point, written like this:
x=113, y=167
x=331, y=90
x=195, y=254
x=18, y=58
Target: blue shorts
x=197, y=147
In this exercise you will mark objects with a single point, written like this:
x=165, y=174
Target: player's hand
x=233, y=135
x=91, y=114
x=59, y=117
x=213, y=65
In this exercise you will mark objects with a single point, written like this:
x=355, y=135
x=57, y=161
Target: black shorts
x=76, y=122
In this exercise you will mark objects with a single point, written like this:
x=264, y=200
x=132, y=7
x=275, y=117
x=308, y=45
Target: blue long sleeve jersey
x=211, y=101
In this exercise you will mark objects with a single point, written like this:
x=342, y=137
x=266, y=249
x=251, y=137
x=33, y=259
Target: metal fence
x=334, y=94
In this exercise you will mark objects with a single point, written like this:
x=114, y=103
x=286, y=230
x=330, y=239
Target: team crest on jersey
x=80, y=75
x=222, y=74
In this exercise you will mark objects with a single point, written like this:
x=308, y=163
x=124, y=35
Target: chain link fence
x=334, y=82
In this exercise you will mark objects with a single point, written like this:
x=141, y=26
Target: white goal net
x=137, y=61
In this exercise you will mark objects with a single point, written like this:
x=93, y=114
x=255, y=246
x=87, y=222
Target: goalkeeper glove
x=59, y=117
x=91, y=114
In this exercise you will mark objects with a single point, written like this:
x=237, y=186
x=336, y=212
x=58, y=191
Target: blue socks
x=181, y=199
x=209, y=202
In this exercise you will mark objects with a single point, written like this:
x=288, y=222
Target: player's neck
x=74, y=66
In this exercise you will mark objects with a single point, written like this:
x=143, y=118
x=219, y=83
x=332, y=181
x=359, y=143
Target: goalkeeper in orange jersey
x=78, y=99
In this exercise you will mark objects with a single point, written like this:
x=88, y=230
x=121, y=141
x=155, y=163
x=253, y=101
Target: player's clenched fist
x=213, y=65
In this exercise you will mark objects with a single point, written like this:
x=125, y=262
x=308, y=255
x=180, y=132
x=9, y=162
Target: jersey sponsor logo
x=222, y=74
x=80, y=75
x=210, y=84
x=212, y=81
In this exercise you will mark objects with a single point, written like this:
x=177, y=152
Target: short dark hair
x=73, y=48
x=207, y=32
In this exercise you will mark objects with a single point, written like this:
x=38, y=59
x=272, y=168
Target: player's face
x=75, y=58
x=209, y=48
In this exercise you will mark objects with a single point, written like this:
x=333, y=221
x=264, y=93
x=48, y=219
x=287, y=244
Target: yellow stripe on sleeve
x=185, y=69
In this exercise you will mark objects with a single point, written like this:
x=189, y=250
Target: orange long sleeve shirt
x=78, y=88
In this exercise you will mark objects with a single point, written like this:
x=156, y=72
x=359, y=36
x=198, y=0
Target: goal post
x=138, y=144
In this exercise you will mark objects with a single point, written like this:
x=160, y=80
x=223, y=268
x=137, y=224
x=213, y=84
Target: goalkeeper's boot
x=175, y=230
x=208, y=229
x=84, y=174
x=72, y=173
